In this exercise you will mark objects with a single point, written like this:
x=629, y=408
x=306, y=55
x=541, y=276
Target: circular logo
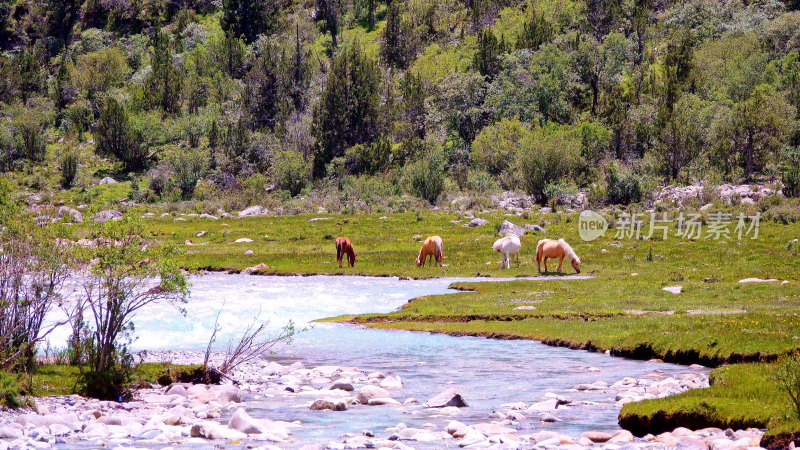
x=591, y=225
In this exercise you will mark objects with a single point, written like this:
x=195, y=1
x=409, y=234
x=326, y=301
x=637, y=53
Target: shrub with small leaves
x=425, y=177
x=69, y=168
x=787, y=375
x=157, y=180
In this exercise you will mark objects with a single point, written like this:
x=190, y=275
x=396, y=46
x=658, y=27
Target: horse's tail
x=339, y=250
x=438, y=253
x=539, y=250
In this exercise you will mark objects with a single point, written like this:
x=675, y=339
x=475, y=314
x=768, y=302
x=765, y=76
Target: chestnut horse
x=344, y=247
x=431, y=247
x=551, y=248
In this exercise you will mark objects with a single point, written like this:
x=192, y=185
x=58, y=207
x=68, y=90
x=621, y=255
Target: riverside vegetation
x=389, y=107
x=740, y=328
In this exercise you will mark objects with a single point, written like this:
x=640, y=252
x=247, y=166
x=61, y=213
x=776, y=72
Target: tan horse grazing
x=344, y=247
x=431, y=247
x=551, y=248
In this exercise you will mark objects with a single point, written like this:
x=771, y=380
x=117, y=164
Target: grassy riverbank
x=62, y=379
x=715, y=320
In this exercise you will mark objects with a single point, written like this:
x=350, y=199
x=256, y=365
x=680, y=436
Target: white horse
x=509, y=245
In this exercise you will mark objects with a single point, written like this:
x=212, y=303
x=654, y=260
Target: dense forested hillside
x=360, y=102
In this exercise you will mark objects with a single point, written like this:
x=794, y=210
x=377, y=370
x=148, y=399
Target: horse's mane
x=569, y=251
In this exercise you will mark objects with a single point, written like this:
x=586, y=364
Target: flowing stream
x=487, y=372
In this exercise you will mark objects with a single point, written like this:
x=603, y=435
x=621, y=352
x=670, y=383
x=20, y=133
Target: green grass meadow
x=741, y=328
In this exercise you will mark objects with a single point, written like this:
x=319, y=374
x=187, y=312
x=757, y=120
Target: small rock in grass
x=673, y=289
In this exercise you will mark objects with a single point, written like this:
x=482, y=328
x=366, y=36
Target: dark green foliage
x=69, y=168
x=63, y=15
x=290, y=172
x=623, y=187
x=413, y=94
x=9, y=391
x=397, y=47
x=426, y=176
x=487, y=59
x=267, y=87
x=247, y=19
x=165, y=83
x=188, y=167
x=329, y=12
x=536, y=30
x=787, y=375
x=348, y=113
x=791, y=173
x=117, y=137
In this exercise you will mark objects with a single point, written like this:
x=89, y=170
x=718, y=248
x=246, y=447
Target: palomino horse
x=431, y=247
x=344, y=247
x=551, y=248
x=509, y=245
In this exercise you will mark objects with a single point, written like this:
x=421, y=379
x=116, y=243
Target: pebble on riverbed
x=196, y=414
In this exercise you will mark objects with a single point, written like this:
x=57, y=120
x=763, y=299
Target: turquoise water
x=487, y=372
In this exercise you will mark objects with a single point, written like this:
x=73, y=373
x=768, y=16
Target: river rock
x=449, y=397
x=109, y=420
x=208, y=216
x=621, y=437
x=491, y=429
x=241, y=240
x=392, y=382
x=544, y=406
x=227, y=393
x=383, y=401
x=689, y=443
x=107, y=180
x=212, y=430
x=597, y=436
x=347, y=387
x=321, y=405
x=254, y=211
x=177, y=389
x=9, y=432
x=509, y=229
x=108, y=214
x=457, y=429
x=368, y=392
x=472, y=439
x=241, y=421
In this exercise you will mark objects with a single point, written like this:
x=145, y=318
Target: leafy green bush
x=290, y=172
x=425, y=177
x=623, y=187
x=559, y=191
x=788, y=377
x=69, y=168
x=9, y=391
x=547, y=155
x=495, y=148
x=481, y=182
x=791, y=173
x=188, y=167
x=157, y=181
x=117, y=137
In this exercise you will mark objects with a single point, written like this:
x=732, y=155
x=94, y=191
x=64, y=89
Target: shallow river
x=487, y=372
